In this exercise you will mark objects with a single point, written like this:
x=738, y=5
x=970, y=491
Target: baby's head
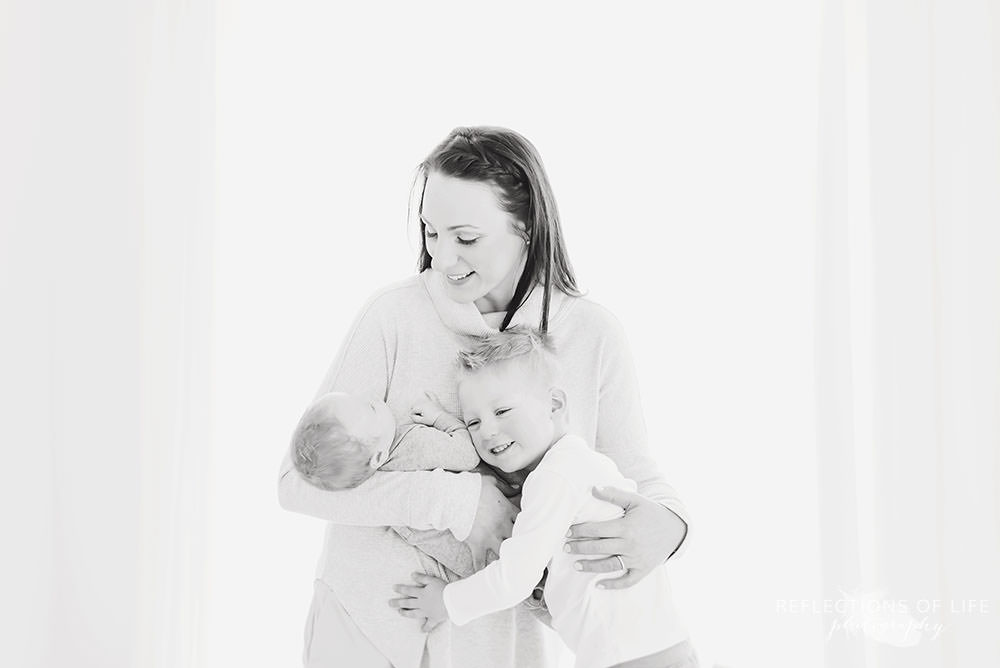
x=341, y=440
x=510, y=401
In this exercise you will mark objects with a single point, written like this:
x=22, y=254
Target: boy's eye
x=467, y=242
x=472, y=424
x=501, y=411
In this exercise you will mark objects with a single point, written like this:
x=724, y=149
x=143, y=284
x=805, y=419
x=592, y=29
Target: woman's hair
x=511, y=164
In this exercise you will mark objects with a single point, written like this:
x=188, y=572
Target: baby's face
x=368, y=421
x=510, y=418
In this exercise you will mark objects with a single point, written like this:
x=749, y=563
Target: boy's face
x=510, y=416
x=368, y=421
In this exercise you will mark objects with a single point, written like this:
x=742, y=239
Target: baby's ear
x=380, y=457
x=558, y=400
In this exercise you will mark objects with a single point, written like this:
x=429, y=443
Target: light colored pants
x=332, y=639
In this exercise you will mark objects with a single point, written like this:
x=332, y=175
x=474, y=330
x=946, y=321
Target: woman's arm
x=655, y=524
x=420, y=499
x=621, y=428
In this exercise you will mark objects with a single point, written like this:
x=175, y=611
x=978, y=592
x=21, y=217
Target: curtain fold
x=908, y=332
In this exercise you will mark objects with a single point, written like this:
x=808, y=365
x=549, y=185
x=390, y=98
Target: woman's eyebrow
x=450, y=229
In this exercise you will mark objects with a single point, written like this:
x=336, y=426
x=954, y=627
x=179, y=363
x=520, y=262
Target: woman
x=492, y=255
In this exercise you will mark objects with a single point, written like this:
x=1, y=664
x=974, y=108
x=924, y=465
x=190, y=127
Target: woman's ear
x=558, y=400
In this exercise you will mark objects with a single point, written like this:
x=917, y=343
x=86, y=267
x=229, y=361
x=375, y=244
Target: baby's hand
x=426, y=410
x=423, y=601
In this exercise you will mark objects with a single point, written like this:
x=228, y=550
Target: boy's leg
x=332, y=639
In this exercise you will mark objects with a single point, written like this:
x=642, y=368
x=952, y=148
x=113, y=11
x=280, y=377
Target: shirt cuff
x=460, y=502
x=682, y=514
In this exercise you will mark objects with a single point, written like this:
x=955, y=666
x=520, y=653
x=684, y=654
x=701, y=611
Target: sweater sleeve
x=548, y=507
x=419, y=499
x=621, y=428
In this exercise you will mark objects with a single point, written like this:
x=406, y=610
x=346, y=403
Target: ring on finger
x=621, y=561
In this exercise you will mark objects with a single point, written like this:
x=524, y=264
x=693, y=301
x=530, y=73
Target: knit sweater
x=404, y=341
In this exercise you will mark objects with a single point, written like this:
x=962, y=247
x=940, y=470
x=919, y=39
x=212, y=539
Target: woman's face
x=472, y=242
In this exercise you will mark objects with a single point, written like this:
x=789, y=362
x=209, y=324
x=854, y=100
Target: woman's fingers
x=609, y=546
x=605, y=529
x=620, y=497
x=609, y=565
x=623, y=582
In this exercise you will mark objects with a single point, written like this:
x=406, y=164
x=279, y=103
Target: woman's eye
x=467, y=242
x=429, y=234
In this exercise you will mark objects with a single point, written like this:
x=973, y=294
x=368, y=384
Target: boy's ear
x=558, y=400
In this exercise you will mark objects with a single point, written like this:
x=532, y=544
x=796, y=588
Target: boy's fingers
x=413, y=614
x=408, y=590
x=403, y=603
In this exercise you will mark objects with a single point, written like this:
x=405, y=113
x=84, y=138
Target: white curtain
x=105, y=255
x=908, y=332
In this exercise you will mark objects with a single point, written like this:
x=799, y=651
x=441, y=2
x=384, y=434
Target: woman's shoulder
x=389, y=298
x=392, y=306
x=581, y=314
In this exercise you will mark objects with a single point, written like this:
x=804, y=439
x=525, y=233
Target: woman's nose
x=444, y=256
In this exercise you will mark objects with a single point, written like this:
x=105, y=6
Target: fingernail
x=578, y=566
x=600, y=586
x=569, y=534
x=565, y=548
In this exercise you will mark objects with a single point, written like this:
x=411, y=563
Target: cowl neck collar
x=466, y=318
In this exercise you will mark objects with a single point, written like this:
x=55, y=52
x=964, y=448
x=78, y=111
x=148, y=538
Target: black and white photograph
x=500, y=335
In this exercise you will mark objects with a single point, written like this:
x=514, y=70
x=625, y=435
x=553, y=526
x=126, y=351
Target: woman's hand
x=492, y=524
x=423, y=601
x=643, y=538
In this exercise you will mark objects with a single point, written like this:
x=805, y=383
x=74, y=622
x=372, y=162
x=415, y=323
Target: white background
x=681, y=149
x=196, y=198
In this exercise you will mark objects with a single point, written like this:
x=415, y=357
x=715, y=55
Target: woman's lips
x=459, y=278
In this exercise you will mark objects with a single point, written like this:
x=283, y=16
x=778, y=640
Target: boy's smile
x=511, y=417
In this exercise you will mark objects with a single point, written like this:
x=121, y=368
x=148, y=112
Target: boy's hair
x=529, y=347
x=326, y=455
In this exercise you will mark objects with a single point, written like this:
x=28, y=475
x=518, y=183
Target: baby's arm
x=436, y=440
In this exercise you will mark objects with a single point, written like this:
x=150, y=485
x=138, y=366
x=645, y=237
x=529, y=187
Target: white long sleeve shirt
x=603, y=627
x=405, y=341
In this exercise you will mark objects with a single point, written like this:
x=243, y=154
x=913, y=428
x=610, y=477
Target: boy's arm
x=548, y=506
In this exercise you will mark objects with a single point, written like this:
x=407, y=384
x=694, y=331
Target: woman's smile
x=473, y=243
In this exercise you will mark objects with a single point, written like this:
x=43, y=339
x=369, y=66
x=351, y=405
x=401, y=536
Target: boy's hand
x=426, y=410
x=423, y=601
